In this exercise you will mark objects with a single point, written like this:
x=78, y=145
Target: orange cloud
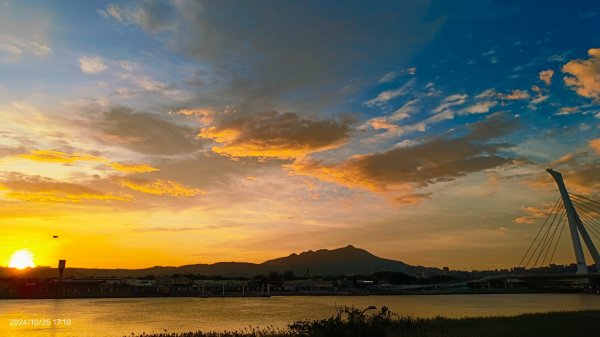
x=205, y=115
x=275, y=135
x=546, y=76
x=595, y=145
x=57, y=196
x=412, y=199
x=59, y=157
x=524, y=220
x=515, y=95
x=133, y=168
x=534, y=213
x=160, y=187
x=585, y=75
x=50, y=156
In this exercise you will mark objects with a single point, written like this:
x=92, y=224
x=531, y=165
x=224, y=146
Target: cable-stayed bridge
x=575, y=216
x=578, y=213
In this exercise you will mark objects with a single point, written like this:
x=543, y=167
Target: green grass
x=349, y=322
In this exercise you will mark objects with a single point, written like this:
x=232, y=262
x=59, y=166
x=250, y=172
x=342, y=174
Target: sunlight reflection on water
x=120, y=317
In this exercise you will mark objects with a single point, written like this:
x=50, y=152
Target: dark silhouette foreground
x=350, y=322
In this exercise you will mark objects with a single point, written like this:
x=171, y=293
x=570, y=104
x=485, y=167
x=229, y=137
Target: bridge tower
x=576, y=227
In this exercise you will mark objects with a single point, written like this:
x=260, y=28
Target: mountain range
x=348, y=260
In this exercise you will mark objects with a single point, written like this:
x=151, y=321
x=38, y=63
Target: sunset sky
x=150, y=133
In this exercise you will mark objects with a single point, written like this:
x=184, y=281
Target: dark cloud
x=209, y=169
x=6, y=151
x=264, y=49
x=146, y=133
x=276, y=135
x=405, y=168
x=494, y=126
x=586, y=176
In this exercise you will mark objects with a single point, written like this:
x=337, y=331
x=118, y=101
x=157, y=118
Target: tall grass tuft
x=352, y=322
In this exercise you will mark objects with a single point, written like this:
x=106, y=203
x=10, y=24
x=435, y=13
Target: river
x=122, y=316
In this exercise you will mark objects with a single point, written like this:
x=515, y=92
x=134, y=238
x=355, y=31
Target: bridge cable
x=550, y=235
x=590, y=223
x=562, y=218
x=539, y=231
x=542, y=243
x=587, y=202
x=593, y=229
x=585, y=198
x=562, y=228
x=550, y=215
x=590, y=212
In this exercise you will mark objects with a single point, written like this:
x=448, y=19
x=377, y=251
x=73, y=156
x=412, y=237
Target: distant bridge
x=582, y=216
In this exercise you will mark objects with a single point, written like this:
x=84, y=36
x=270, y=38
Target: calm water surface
x=120, y=317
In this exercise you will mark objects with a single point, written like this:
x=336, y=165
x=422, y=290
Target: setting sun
x=21, y=259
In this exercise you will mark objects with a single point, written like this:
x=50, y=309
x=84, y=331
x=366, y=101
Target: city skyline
x=170, y=133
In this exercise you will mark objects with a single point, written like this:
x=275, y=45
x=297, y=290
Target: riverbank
x=350, y=322
x=83, y=293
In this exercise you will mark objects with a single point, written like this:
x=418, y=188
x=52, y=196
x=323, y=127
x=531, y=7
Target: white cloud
x=139, y=84
x=488, y=93
x=515, y=94
x=567, y=111
x=92, y=64
x=128, y=65
x=405, y=111
x=431, y=90
x=450, y=101
x=114, y=12
x=539, y=99
x=408, y=143
x=388, y=77
x=478, y=108
x=388, y=122
x=388, y=95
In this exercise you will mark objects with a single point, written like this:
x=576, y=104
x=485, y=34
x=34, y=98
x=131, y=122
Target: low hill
x=348, y=260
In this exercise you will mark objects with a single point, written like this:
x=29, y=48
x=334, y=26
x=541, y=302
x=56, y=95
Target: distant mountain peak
x=348, y=260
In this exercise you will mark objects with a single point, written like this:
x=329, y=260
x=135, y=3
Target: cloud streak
x=30, y=188
x=159, y=187
x=52, y=156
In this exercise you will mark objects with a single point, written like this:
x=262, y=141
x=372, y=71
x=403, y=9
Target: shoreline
x=321, y=294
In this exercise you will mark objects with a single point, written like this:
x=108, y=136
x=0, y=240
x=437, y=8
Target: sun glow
x=21, y=259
